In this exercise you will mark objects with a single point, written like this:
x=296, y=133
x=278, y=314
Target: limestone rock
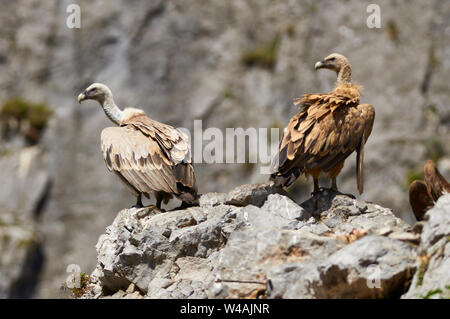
x=332, y=246
x=21, y=255
x=432, y=279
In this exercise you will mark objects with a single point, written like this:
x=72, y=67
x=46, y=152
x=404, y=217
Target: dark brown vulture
x=328, y=128
x=423, y=194
x=147, y=156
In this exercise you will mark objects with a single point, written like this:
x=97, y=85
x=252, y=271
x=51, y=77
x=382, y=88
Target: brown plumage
x=146, y=155
x=423, y=194
x=436, y=183
x=328, y=128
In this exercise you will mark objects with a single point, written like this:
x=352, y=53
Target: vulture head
x=334, y=61
x=97, y=91
x=338, y=63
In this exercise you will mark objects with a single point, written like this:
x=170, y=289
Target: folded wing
x=150, y=156
x=325, y=132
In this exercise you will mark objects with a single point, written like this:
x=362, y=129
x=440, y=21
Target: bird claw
x=349, y=195
x=321, y=189
x=184, y=205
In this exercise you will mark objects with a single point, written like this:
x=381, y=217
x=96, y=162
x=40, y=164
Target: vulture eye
x=331, y=59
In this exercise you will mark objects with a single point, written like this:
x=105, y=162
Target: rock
x=438, y=222
x=138, y=250
x=339, y=247
x=26, y=181
x=212, y=199
x=432, y=279
x=243, y=195
x=21, y=255
x=26, y=187
x=285, y=208
x=250, y=194
x=352, y=272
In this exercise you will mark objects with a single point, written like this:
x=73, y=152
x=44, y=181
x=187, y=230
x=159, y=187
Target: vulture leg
x=334, y=172
x=159, y=198
x=335, y=189
x=316, y=187
x=420, y=199
x=139, y=201
x=334, y=184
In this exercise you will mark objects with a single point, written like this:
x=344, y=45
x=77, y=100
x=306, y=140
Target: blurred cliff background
x=236, y=63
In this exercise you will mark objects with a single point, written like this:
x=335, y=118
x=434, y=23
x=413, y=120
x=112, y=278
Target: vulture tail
x=286, y=179
x=186, y=184
x=360, y=167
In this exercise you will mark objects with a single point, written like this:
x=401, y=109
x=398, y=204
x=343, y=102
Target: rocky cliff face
x=26, y=185
x=257, y=243
x=231, y=64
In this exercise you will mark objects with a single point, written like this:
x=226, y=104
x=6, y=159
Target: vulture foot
x=138, y=202
x=348, y=195
x=331, y=190
x=320, y=190
x=184, y=205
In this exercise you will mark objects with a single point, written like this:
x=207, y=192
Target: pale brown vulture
x=328, y=128
x=423, y=194
x=147, y=156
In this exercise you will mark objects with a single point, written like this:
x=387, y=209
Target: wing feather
x=326, y=131
x=142, y=155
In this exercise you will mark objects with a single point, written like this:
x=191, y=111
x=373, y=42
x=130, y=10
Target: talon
x=185, y=205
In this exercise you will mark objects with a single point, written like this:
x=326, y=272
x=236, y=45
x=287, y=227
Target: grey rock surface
x=331, y=246
x=21, y=255
x=26, y=181
x=432, y=280
x=26, y=184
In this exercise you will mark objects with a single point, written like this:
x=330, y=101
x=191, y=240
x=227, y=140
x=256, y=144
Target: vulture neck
x=345, y=75
x=112, y=111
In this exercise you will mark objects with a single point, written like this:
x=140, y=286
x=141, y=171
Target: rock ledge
x=256, y=242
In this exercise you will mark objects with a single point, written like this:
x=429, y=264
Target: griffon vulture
x=147, y=156
x=423, y=194
x=328, y=128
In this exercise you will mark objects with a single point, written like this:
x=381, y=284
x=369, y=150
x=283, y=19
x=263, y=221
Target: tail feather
x=360, y=167
x=186, y=183
x=286, y=179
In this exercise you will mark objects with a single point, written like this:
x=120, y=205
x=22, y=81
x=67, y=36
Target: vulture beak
x=82, y=97
x=320, y=64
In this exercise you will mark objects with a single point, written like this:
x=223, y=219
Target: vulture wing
x=150, y=156
x=175, y=145
x=326, y=131
x=420, y=199
x=435, y=182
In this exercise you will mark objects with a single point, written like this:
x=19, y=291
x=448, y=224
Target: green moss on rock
x=25, y=117
x=264, y=56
